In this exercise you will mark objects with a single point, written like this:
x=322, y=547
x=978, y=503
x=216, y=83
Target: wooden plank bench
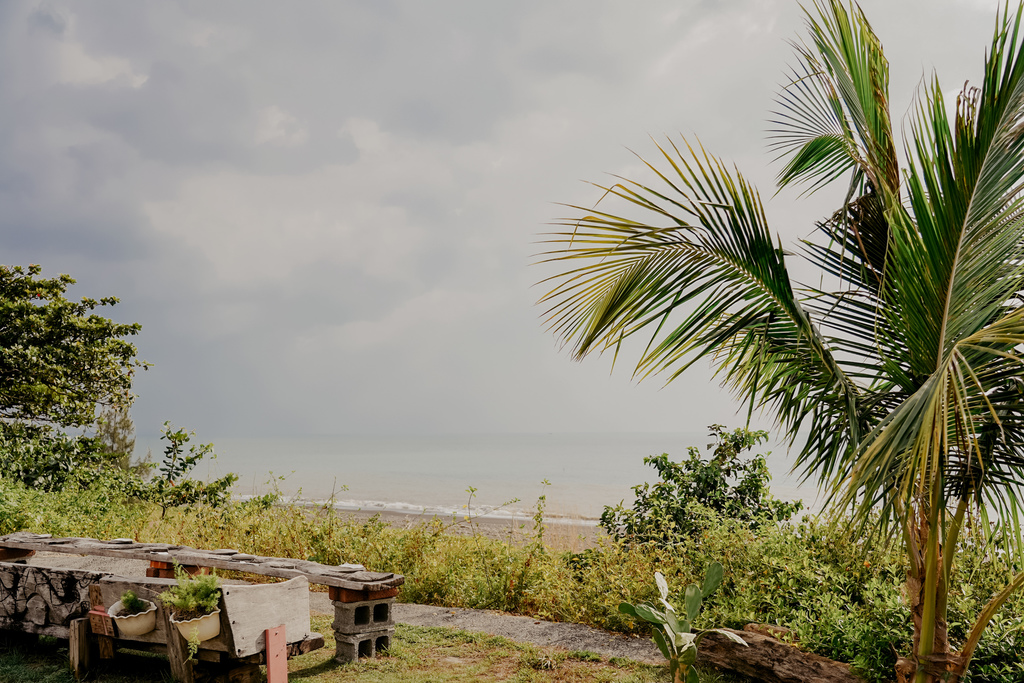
x=56, y=602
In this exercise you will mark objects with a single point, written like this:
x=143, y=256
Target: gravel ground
x=521, y=629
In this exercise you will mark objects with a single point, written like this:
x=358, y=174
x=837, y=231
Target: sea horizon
x=434, y=473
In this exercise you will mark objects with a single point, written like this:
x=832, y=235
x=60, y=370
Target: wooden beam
x=78, y=647
x=177, y=651
x=350, y=576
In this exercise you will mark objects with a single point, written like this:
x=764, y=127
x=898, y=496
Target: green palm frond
x=834, y=114
x=700, y=250
x=903, y=368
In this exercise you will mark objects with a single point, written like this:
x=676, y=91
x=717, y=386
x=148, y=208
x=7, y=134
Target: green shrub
x=132, y=604
x=192, y=596
x=817, y=579
x=726, y=484
x=44, y=458
x=172, y=486
x=671, y=627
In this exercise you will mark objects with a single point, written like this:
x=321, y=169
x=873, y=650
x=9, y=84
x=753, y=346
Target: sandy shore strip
x=560, y=533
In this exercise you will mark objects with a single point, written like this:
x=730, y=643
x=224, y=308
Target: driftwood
x=246, y=612
x=771, y=661
x=43, y=600
x=350, y=576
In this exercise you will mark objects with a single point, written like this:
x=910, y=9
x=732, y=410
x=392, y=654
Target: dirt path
x=521, y=629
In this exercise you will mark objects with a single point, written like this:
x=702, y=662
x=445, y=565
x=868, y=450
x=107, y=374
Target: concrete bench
x=57, y=602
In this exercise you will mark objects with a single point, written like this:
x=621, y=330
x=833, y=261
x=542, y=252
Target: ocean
x=434, y=473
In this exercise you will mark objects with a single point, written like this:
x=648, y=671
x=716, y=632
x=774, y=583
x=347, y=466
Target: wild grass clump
x=838, y=599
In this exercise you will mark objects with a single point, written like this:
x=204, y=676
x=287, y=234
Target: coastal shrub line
x=839, y=599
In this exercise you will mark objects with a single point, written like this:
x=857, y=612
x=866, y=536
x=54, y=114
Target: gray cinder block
x=352, y=647
x=363, y=617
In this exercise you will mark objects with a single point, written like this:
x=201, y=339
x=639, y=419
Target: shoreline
x=561, y=533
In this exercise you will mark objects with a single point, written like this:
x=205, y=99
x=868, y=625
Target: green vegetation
x=58, y=359
x=192, y=596
x=839, y=594
x=132, y=604
x=727, y=484
x=417, y=655
x=673, y=633
x=172, y=486
x=900, y=372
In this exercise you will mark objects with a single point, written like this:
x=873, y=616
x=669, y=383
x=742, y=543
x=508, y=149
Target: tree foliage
x=727, y=484
x=901, y=371
x=59, y=359
x=173, y=487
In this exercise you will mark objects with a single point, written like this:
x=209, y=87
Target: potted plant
x=133, y=615
x=194, y=604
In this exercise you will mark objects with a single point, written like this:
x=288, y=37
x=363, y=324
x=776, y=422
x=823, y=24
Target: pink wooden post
x=277, y=655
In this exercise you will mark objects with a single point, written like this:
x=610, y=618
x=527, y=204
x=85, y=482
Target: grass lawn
x=418, y=654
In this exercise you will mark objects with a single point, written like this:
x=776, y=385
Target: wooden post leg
x=78, y=647
x=106, y=647
x=177, y=652
x=277, y=655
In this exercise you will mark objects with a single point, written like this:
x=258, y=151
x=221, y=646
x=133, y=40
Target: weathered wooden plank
x=105, y=646
x=40, y=597
x=250, y=610
x=359, y=581
x=78, y=647
x=177, y=650
x=314, y=641
x=150, y=589
x=349, y=576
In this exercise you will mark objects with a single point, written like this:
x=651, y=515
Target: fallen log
x=771, y=661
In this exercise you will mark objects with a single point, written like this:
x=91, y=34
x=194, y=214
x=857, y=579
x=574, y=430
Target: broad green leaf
x=659, y=640
x=728, y=634
x=693, y=599
x=712, y=579
x=688, y=654
x=691, y=676
x=627, y=608
x=647, y=613
x=662, y=585
x=671, y=621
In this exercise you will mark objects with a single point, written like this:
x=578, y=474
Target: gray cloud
x=323, y=213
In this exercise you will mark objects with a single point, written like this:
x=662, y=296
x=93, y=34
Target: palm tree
x=901, y=375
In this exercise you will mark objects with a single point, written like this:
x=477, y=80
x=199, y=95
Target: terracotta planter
x=203, y=628
x=134, y=624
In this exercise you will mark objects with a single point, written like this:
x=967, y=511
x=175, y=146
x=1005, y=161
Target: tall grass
x=840, y=600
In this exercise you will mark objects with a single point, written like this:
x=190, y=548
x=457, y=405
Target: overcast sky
x=323, y=213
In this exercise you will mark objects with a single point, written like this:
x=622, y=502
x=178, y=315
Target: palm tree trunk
x=927, y=592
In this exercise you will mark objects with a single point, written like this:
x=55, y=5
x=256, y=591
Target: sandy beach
x=559, y=533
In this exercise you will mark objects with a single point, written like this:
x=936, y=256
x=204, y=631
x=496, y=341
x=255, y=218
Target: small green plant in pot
x=672, y=632
x=133, y=615
x=194, y=604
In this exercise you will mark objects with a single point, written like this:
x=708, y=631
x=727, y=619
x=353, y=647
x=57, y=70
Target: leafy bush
x=734, y=488
x=172, y=487
x=817, y=579
x=44, y=458
x=671, y=630
x=192, y=596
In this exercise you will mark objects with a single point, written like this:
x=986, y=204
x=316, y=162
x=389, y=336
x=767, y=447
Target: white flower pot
x=135, y=624
x=201, y=628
